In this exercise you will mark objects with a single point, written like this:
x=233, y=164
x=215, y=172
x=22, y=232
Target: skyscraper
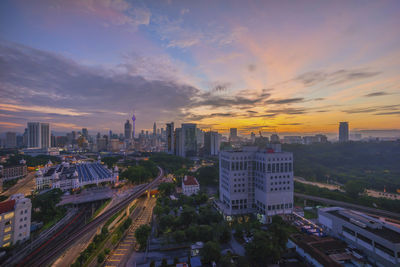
x=189, y=135
x=154, y=129
x=128, y=130
x=211, y=143
x=343, y=131
x=45, y=136
x=38, y=135
x=85, y=133
x=34, y=134
x=170, y=138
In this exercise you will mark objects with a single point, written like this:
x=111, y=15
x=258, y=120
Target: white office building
x=254, y=180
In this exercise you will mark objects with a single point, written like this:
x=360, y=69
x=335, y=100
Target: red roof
x=7, y=206
x=190, y=180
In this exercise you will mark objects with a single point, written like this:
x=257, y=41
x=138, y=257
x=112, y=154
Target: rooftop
x=372, y=225
x=7, y=206
x=190, y=180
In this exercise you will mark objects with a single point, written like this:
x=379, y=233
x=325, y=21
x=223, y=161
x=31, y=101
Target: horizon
x=294, y=68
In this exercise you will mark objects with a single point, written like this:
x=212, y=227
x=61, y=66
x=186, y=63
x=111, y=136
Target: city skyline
x=266, y=66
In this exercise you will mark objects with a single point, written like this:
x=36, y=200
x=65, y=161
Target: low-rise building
x=68, y=176
x=190, y=185
x=13, y=172
x=375, y=237
x=15, y=220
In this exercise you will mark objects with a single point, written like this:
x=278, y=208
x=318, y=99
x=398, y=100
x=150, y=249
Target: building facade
x=15, y=220
x=256, y=180
x=376, y=238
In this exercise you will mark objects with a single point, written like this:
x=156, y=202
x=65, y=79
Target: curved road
x=37, y=258
x=386, y=213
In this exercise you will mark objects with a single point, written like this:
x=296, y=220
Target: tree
x=100, y=257
x=152, y=264
x=211, y=252
x=179, y=236
x=166, y=189
x=142, y=234
x=225, y=235
x=261, y=249
x=164, y=262
x=354, y=188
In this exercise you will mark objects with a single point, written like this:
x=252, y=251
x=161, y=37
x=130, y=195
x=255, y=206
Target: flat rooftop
x=382, y=231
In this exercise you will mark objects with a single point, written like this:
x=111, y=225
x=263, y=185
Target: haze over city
x=291, y=67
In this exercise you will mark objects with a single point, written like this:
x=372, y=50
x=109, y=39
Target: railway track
x=46, y=258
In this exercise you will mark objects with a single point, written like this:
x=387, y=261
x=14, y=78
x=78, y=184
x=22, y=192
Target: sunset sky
x=285, y=66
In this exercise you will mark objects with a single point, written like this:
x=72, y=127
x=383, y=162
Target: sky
x=295, y=67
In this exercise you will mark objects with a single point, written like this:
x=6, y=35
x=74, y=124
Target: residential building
x=375, y=237
x=13, y=172
x=38, y=135
x=45, y=135
x=211, y=143
x=254, y=180
x=343, y=131
x=11, y=140
x=15, y=220
x=233, y=136
x=190, y=185
x=292, y=140
x=34, y=135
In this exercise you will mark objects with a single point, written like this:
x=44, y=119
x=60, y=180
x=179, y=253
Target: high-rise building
x=211, y=143
x=154, y=129
x=189, y=138
x=255, y=180
x=179, y=143
x=133, y=125
x=85, y=133
x=200, y=138
x=34, y=135
x=170, y=138
x=343, y=131
x=275, y=139
x=45, y=136
x=11, y=140
x=128, y=130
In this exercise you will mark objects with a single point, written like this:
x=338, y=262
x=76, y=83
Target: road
x=23, y=186
x=350, y=205
x=47, y=253
x=126, y=247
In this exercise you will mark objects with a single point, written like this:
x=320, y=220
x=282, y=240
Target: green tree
x=100, y=257
x=179, y=236
x=142, y=234
x=354, y=188
x=164, y=262
x=211, y=252
x=262, y=250
x=166, y=189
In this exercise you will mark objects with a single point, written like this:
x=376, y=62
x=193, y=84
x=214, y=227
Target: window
x=7, y=237
x=364, y=238
x=7, y=229
x=348, y=230
x=384, y=249
x=9, y=215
